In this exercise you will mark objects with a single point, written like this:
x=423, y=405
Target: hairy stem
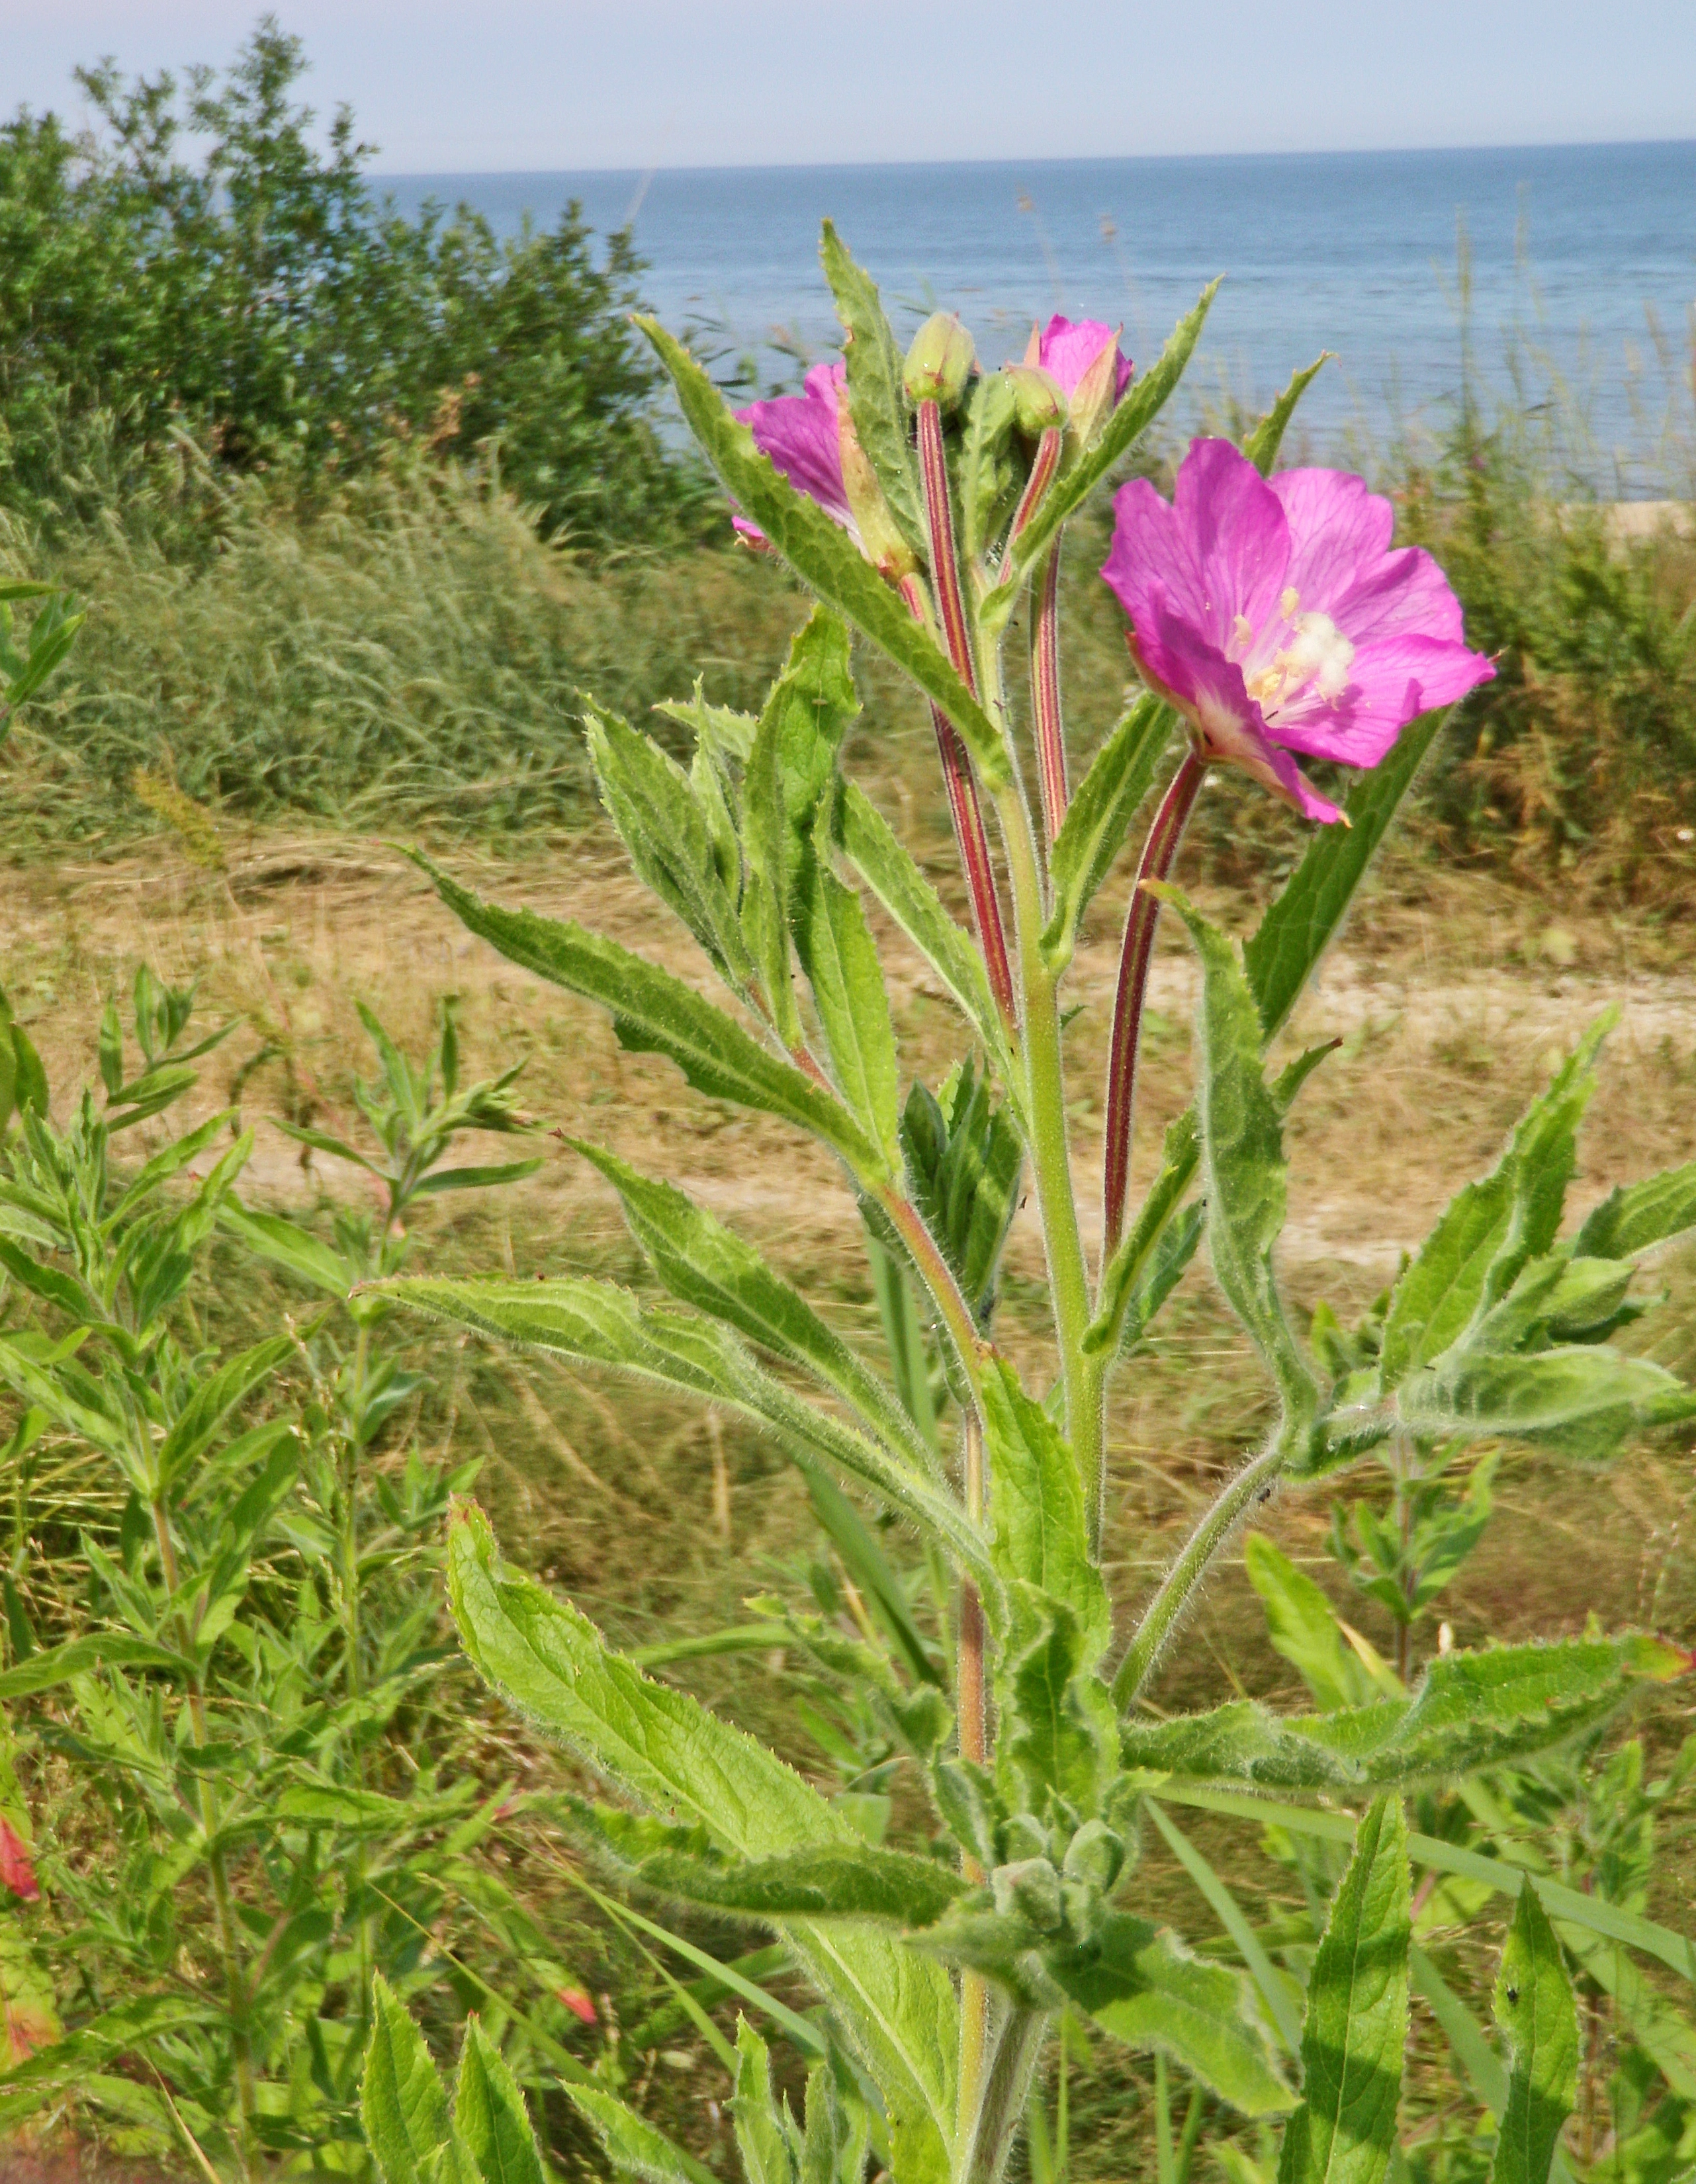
x=1050, y=1150
x=969, y=1699
x=1017, y=2046
x=945, y=566
x=1044, y=464
x=970, y=837
x=1045, y=694
x=1165, y=1611
x=937, y=1276
x=1158, y=853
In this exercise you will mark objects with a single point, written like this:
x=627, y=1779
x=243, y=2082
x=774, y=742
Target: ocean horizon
x=1580, y=281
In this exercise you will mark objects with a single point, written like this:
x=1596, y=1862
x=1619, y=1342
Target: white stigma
x=1317, y=654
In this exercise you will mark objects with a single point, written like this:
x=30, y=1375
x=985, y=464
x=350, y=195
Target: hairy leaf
x=1344, y=2131
x=707, y=1265
x=1141, y=1986
x=402, y=2102
x=655, y=1013
x=632, y=2144
x=1537, y=2017
x=1261, y=446
x=1639, y=1217
x=841, y=964
x=1098, y=818
x=1041, y=1533
x=876, y=400
x=1242, y=1153
x=1580, y=1402
x=761, y=2138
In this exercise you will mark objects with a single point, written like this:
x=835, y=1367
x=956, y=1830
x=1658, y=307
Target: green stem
x=1050, y=1154
x=1164, y=1612
x=364, y=1946
x=973, y=1726
x=937, y=1276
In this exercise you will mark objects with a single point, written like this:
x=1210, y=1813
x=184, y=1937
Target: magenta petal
x=1405, y=595
x=800, y=433
x=1143, y=562
x=1066, y=348
x=1339, y=531
x=1391, y=682
x=1236, y=543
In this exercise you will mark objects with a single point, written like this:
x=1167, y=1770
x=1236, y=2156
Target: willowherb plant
x=1270, y=618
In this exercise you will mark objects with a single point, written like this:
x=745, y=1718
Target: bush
x=261, y=299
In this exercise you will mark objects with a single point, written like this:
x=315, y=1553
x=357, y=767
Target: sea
x=1558, y=281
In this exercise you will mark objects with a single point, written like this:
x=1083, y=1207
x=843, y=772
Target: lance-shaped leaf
x=1098, y=819
x=964, y=1158
x=1303, y=1627
x=841, y=964
x=1142, y=405
x=1537, y=2017
x=1280, y=955
x=598, y=1323
x=876, y=400
x=823, y=554
x=1472, y=1710
x=635, y=2147
x=1243, y=1155
x=1490, y=1228
x=871, y=844
x=661, y=824
x=655, y=1013
x=1058, y=1727
x=1136, y=1249
x=490, y=2118
x=1261, y=444
x=857, y=1880
x=1041, y=1532
x=1139, y=1985
x=403, y=2103
x=1638, y=1217
x=1581, y=1401
x=707, y=1265
x=761, y=2138
x=196, y=1425
x=1356, y=2028
x=896, y=2007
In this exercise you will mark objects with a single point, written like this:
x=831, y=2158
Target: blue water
x=1583, y=259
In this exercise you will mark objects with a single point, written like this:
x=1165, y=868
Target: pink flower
x=1273, y=613
x=802, y=435
x=1067, y=349
x=579, y=2003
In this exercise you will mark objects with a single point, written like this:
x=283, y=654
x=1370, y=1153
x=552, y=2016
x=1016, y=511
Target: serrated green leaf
x=1492, y=1228
x=824, y=555
x=655, y=1013
x=1302, y=1627
x=720, y=733
x=761, y=2138
x=707, y=1265
x=490, y=2115
x=632, y=2145
x=876, y=401
x=1638, y=1217
x=1580, y=1402
x=858, y=1881
x=403, y=2104
x=1243, y=1155
x=652, y=805
x=1471, y=1711
x=598, y=1323
x=1536, y=2015
x=1143, y=1987
x=1143, y=402
x=963, y=1161
x=841, y=960
x=866, y=838
x=1261, y=444
x=1356, y=2029
x=896, y=2007
x=1036, y=1504
x=1280, y=955
x=1136, y=1249
x=1098, y=819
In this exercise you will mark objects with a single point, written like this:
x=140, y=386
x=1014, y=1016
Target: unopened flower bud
x=1038, y=404
x=939, y=361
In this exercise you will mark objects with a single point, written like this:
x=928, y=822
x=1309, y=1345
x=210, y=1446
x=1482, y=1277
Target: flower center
x=1318, y=655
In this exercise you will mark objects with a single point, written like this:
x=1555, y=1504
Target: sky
x=479, y=85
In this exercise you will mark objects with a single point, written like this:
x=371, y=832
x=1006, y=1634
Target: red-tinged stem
x=1158, y=853
x=1044, y=696
x=945, y=566
x=1044, y=465
x=972, y=837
